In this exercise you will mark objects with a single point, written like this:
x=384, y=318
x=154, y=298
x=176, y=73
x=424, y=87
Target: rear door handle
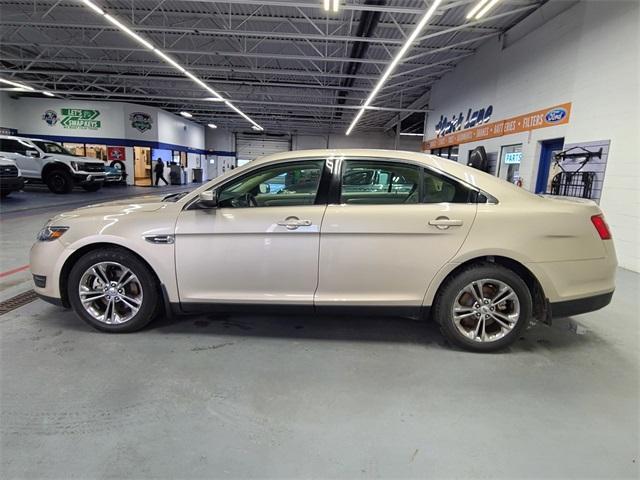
x=445, y=222
x=292, y=223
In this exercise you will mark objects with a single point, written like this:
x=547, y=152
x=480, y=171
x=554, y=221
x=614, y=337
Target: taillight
x=601, y=226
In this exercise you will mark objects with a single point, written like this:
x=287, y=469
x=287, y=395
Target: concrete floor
x=251, y=396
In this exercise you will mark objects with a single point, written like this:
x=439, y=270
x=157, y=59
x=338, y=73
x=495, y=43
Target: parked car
x=113, y=175
x=478, y=255
x=10, y=177
x=51, y=163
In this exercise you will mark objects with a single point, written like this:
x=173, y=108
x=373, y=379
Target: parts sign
x=548, y=117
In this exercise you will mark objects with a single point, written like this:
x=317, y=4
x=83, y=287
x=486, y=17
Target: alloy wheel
x=110, y=292
x=486, y=310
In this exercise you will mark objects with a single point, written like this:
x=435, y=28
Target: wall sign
x=73, y=118
x=141, y=121
x=460, y=122
x=548, y=117
x=512, y=158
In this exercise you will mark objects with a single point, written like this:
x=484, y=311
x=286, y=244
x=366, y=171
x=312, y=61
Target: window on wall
x=183, y=159
x=75, y=148
x=509, y=168
x=447, y=152
x=96, y=151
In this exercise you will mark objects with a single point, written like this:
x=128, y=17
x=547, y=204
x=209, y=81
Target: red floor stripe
x=12, y=271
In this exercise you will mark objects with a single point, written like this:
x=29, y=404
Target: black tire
x=92, y=187
x=59, y=181
x=150, y=300
x=453, y=287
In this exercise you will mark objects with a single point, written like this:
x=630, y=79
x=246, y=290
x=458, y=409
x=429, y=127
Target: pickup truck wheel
x=113, y=291
x=59, y=181
x=483, y=308
x=92, y=187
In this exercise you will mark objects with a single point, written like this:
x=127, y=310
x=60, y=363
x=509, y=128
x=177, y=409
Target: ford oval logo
x=555, y=115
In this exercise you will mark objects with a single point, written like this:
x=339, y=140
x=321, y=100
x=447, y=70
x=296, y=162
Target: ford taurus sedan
x=409, y=234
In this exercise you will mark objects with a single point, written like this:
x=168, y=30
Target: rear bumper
x=579, y=306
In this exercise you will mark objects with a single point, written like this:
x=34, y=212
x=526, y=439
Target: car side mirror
x=32, y=153
x=265, y=188
x=208, y=199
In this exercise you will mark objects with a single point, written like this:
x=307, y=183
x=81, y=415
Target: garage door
x=249, y=147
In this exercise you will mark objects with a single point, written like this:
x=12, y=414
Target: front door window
x=288, y=184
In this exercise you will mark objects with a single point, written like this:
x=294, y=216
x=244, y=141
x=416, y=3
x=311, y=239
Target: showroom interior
x=543, y=94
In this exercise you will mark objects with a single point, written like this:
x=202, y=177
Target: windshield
x=52, y=147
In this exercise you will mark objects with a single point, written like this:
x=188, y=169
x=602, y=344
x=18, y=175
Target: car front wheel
x=113, y=291
x=484, y=307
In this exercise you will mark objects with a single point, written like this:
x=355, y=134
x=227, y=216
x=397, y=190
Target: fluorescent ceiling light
x=489, y=6
x=336, y=5
x=186, y=114
x=93, y=7
x=476, y=8
x=394, y=63
x=169, y=60
x=212, y=125
x=48, y=94
x=129, y=32
x=216, y=96
x=407, y=134
x=256, y=127
x=17, y=85
x=327, y=5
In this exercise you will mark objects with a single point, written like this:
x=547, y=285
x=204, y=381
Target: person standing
x=159, y=171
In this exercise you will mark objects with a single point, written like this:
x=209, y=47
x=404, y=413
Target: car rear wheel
x=113, y=291
x=483, y=308
x=59, y=181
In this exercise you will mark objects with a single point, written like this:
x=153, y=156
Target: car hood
x=127, y=206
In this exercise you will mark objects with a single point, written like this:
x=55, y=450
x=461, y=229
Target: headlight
x=49, y=233
x=74, y=165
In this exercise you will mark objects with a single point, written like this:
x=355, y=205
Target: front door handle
x=291, y=223
x=445, y=222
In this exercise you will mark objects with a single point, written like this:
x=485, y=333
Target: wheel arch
x=536, y=289
x=55, y=165
x=73, y=258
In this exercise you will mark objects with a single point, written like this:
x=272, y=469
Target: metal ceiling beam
x=212, y=53
x=145, y=79
x=206, y=68
x=239, y=101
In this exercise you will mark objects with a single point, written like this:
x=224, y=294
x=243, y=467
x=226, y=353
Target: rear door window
x=367, y=182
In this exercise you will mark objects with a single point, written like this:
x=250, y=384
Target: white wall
x=587, y=55
x=355, y=140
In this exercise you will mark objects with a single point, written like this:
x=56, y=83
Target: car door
x=260, y=245
x=383, y=247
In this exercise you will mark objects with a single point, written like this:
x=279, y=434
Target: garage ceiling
x=289, y=65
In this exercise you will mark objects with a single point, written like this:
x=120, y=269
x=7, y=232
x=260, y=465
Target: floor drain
x=17, y=301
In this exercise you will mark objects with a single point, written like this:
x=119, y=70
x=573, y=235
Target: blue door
x=549, y=149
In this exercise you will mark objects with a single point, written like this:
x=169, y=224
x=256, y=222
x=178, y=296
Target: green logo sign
x=79, y=118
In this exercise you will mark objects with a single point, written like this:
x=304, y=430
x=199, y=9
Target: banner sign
x=115, y=153
x=548, y=117
x=73, y=118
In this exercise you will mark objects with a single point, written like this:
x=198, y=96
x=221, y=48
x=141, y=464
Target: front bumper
x=88, y=178
x=11, y=184
x=46, y=260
